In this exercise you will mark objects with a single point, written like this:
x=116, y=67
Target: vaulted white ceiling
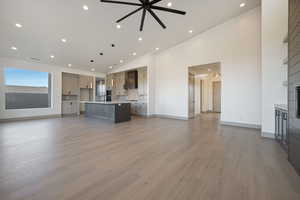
x=46, y=22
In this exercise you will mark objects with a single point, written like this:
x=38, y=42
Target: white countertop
x=281, y=106
x=112, y=102
x=106, y=102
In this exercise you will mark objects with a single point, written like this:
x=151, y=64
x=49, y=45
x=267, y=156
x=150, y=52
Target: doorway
x=205, y=83
x=191, y=95
x=217, y=96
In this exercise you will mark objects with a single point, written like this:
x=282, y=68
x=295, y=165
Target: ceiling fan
x=145, y=5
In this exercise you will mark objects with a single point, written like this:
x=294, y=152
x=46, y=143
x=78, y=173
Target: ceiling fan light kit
x=145, y=6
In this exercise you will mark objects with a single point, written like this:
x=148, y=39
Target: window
x=26, y=89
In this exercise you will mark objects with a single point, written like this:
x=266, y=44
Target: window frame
x=51, y=78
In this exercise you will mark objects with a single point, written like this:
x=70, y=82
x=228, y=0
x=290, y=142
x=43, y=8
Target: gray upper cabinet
x=142, y=81
x=86, y=82
x=70, y=84
x=119, y=84
x=109, y=82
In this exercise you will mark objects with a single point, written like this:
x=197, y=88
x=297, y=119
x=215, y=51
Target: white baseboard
x=268, y=135
x=170, y=117
x=238, y=124
x=30, y=118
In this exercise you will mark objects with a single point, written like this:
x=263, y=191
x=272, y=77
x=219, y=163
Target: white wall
x=274, y=29
x=236, y=44
x=56, y=72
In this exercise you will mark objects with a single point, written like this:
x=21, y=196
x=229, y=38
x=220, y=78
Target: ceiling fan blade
x=143, y=20
x=121, y=2
x=155, y=1
x=128, y=15
x=157, y=19
x=168, y=10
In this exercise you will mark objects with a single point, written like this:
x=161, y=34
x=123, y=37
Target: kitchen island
x=116, y=112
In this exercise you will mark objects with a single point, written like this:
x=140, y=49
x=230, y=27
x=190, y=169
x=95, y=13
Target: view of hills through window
x=27, y=89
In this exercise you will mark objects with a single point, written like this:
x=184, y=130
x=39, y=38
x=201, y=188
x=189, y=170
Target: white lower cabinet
x=69, y=107
x=82, y=107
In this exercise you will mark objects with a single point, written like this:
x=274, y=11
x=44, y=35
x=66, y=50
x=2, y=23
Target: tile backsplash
x=132, y=95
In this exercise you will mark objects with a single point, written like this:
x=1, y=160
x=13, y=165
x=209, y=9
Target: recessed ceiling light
x=169, y=4
x=118, y=26
x=156, y=48
x=140, y=38
x=19, y=25
x=101, y=54
x=134, y=54
x=110, y=67
x=121, y=61
x=93, y=69
x=14, y=48
x=242, y=5
x=52, y=56
x=85, y=7
x=69, y=65
x=64, y=40
x=190, y=31
x=113, y=45
x=91, y=61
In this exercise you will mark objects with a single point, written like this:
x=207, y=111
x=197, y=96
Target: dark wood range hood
x=131, y=80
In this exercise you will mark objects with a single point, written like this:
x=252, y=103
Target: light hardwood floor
x=76, y=158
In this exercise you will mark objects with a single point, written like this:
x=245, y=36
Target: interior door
x=217, y=96
x=191, y=95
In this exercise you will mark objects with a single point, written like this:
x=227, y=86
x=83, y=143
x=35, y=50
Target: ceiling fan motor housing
x=146, y=5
